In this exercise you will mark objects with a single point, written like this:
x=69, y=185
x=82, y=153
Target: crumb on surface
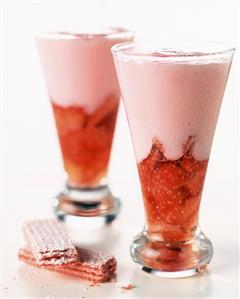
x=94, y=284
x=128, y=287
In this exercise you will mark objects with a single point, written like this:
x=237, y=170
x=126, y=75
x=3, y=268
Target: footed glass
x=84, y=93
x=172, y=95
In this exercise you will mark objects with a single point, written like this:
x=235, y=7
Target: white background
x=31, y=162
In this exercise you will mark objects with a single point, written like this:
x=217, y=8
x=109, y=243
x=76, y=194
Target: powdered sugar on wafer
x=49, y=242
x=91, y=265
x=95, y=259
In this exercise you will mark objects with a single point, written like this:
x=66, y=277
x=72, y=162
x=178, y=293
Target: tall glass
x=172, y=95
x=84, y=92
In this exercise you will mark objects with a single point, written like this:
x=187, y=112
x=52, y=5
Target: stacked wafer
x=49, y=242
x=50, y=247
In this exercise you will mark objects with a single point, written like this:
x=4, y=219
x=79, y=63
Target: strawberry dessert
x=84, y=92
x=86, y=140
x=172, y=98
x=172, y=192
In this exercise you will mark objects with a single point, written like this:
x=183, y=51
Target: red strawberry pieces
x=86, y=140
x=171, y=191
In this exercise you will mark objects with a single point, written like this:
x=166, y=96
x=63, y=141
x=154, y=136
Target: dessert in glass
x=172, y=95
x=84, y=93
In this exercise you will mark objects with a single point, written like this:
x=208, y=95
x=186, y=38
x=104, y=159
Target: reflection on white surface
x=102, y=239
x=197, y=286
x=41, y=283
x=22, y=280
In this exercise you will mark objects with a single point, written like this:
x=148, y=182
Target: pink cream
x=79, y=68
x=177, y=100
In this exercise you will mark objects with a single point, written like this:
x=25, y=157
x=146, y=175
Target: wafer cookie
x=91, y=265
x=49, y=242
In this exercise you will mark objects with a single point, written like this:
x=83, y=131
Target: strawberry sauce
x=172, y=192
x=86, y=140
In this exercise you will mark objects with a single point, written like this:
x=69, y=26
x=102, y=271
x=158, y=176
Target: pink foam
x=79, y=68
x=172, y=101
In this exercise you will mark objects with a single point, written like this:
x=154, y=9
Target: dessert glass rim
x=173, y=51
x=85, y=32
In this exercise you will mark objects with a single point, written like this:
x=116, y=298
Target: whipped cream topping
x=185, y=52
x=171, y=102
x=78, y=67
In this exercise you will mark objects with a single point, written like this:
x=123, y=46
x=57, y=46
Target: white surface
x=33, y=167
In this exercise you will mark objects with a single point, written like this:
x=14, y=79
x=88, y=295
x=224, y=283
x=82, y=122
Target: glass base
x=173, y=260
x=89, y=208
